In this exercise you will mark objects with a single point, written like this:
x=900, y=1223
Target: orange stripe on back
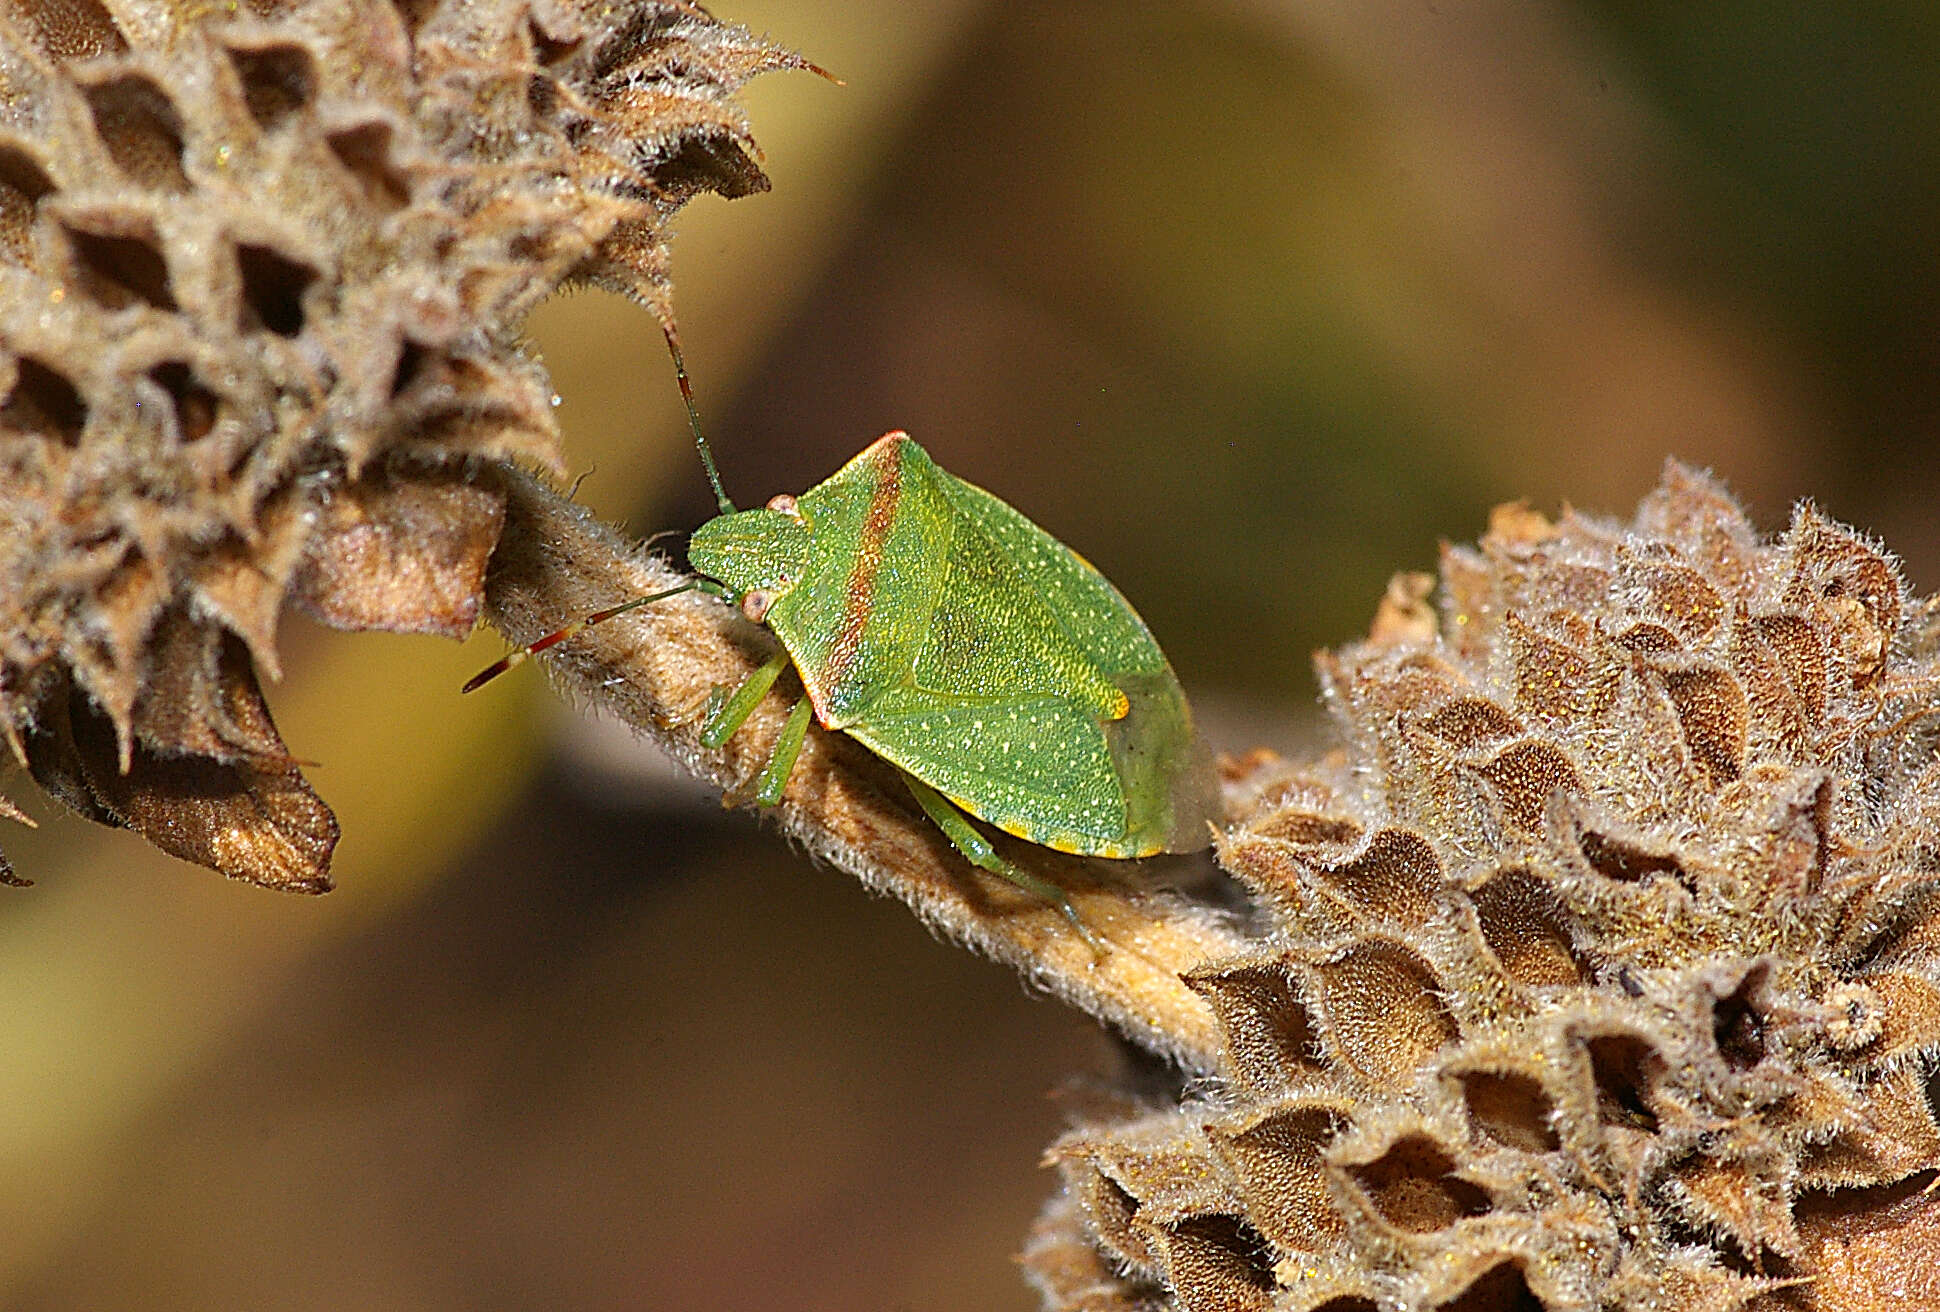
x=860, y=590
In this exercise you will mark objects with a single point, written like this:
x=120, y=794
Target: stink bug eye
x=991, y=664
x=755, y=604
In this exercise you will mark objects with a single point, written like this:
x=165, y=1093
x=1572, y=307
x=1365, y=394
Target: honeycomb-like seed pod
x=1600, y=969
x=262, y=268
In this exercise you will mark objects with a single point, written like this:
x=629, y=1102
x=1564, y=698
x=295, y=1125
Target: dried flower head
x=261, y=271
x=1599, y=967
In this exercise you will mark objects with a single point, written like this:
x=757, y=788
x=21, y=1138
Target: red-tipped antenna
x=519, y=657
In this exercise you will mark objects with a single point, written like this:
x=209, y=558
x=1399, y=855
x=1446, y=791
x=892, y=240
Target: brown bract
x=261, y=272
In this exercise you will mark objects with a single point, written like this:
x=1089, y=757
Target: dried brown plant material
x=262, y=268
x=1599, y=969
x=1596, y=968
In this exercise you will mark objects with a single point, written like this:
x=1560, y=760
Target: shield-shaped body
x=956, y=639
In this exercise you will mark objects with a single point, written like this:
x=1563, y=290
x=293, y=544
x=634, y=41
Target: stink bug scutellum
x=992, y=665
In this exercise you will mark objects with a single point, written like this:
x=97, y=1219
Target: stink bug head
x=751, y=551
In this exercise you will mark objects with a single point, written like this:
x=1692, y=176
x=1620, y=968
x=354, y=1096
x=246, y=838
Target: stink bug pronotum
x=992, y=665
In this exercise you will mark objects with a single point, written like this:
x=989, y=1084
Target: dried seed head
x=261, y=270
x=1603, y=965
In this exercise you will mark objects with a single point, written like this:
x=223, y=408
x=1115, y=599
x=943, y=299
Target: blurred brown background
x=1251, y=301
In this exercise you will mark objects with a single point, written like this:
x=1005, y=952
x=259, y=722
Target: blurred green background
x=1252, y=302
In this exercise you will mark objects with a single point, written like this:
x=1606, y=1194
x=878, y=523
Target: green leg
x=774, y=777
x=725, y=718
x=978, y=851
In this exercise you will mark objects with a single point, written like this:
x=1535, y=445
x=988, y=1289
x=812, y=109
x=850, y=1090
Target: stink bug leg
x=733, y=712
x=774, y=777
x=978, y=852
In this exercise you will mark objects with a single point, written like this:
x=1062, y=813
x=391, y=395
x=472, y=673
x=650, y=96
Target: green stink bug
x=993, y=666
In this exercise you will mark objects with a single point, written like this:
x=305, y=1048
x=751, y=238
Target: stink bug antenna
x=708, y=586
x=694, y=417
x=524, y=653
